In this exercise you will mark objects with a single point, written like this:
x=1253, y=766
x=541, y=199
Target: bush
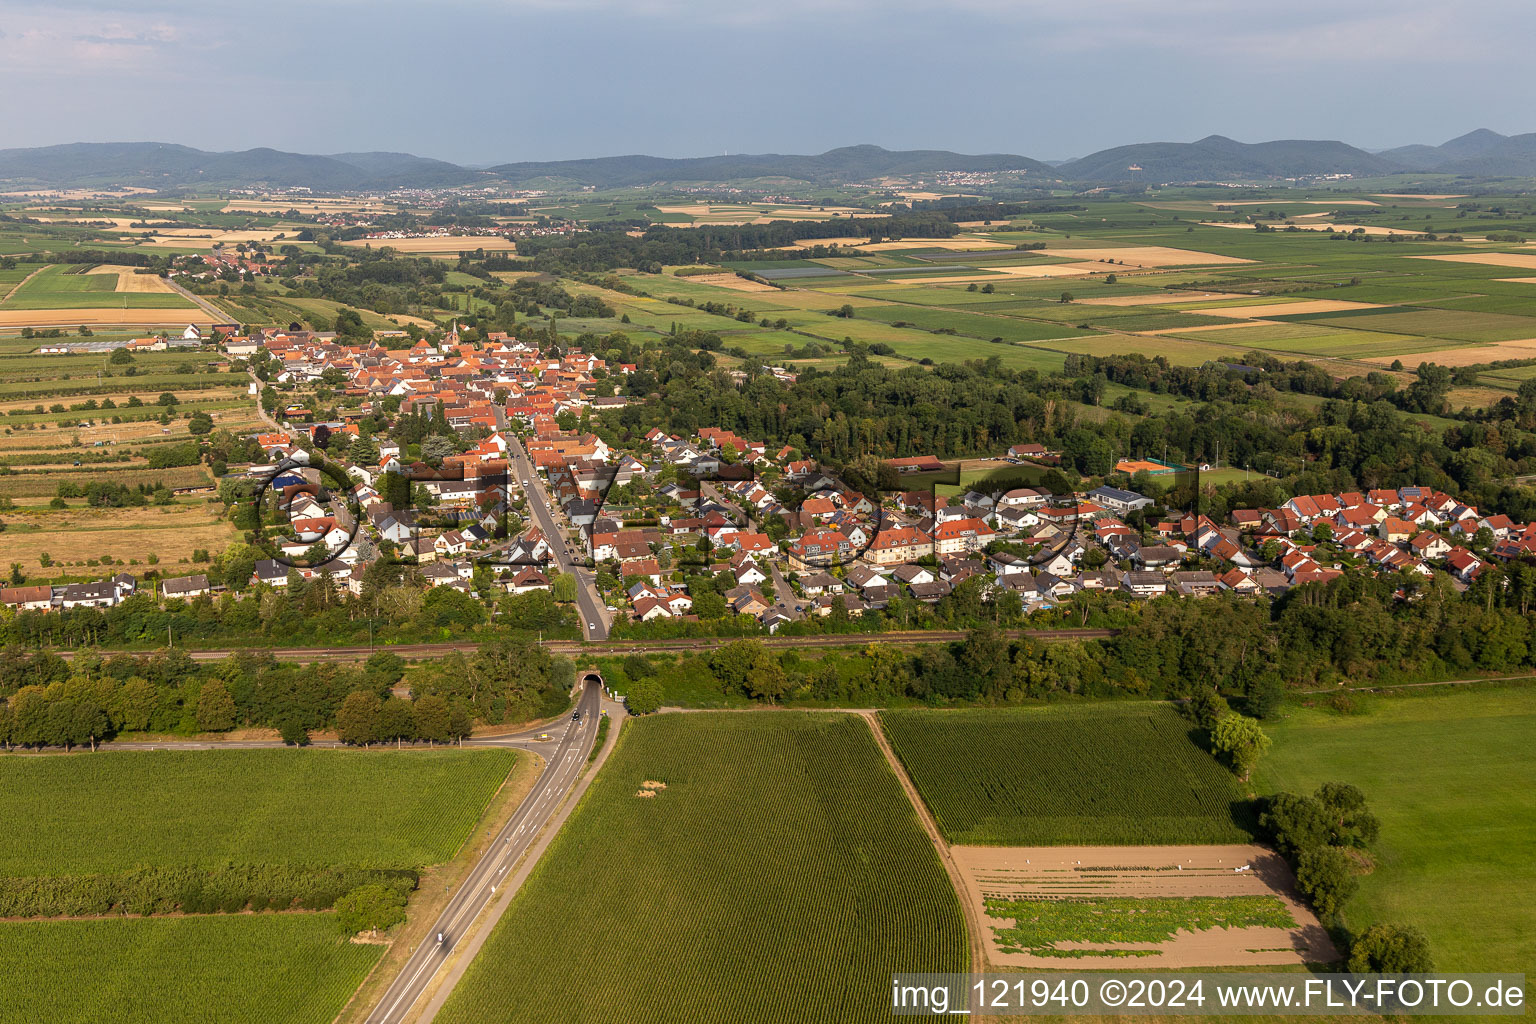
x=644, y=697
x=374, y=907
x=1391, y=949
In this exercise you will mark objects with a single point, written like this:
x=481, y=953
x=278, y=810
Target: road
x=219, y=316
x=594, y=614
x=562, y=769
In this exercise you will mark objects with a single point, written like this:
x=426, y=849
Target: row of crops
x=1111, y=774
x=319, y=808
x=136, y=832
x=724, y=867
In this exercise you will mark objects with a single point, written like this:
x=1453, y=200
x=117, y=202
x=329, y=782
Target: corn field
x=775, y=871
x=114, y=811
x=267, y=969
x=1112, y=774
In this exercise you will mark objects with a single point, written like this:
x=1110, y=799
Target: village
x=512, y=487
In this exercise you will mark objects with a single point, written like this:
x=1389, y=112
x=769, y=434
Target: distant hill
x=163, y=165
x=159, y=165
x=1480, y=154
x=1218, y=158
x=849, y=164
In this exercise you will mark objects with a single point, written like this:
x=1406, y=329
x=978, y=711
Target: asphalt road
x=561, y=771
x=594, y=616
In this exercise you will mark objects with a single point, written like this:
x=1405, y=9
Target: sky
x=488, y=81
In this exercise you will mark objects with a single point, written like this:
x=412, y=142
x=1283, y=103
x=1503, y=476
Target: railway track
x=428, y=652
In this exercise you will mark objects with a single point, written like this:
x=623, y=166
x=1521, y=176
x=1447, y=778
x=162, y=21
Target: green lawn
x=781, y=874
x=1453, y=779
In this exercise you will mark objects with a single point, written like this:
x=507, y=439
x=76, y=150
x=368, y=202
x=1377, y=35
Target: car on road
x=575, y=716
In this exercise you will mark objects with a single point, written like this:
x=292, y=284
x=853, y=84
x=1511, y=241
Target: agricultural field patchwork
x=1089, y=774
x=784, y=834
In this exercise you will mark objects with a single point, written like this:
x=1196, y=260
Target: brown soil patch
x=1412, y=195
x=1517, y=280
x=1145, y=256
x=1259, y=311
x=1523, y=260
x=1059, y=872
x=645, y=792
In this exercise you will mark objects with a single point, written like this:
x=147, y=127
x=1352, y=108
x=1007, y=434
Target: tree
x=433, y=719
x=397, y=720
x=357, y=720
x=643, y=697
x=461, y=720
x=1294, y=823
x=563, y=588
x=215, y=708
x=293, y=732
x=1327, y=876
x=1348, y=821
x=200, y=423
x=1241, y=741
x=1391, y=949
x=166, y=399
x=374, y=907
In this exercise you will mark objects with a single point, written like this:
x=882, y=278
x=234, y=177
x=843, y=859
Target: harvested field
x=128, y=281
x=1285, y=308
x=1145, y=256
x=1369, y=229
x=103, y=316
x=170, y=532
x=1415, y=195
x=1523, y=260
x=1470, y=355
x=732, y=282
x=449, y=245
x=1043, y=904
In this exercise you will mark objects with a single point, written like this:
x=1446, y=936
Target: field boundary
x=977, y=939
